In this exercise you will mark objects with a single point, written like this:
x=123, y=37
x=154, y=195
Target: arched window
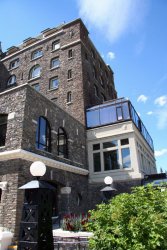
x=43, y=134
x=3, y=128
x=35, y=71
x=62, y=146
x=11, y=81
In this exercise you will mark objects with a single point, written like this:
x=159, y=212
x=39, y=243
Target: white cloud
x=162, y=117
x=149, y=112
x=142, y=98
x=113, y=17
x=161, y=101
x=161, y=152
x=111, y=55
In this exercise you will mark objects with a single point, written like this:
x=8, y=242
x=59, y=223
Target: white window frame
x=56, y=45
x=36, y=54
x=51, y=85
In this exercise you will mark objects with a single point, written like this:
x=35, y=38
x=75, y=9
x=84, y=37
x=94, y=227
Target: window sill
x=13, y=68
x=54, y=68
x=35, y=58
x=70, y=58
x=40, y=150
x=69, y=103
x=11, y=85
x=34, y=79
x=52, y=51
x=1, y=147
x=50, y=90
x=70, y=79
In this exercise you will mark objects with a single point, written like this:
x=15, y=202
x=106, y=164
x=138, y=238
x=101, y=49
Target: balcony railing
x=116, y=111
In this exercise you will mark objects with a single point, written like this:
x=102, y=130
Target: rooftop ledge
x=29, y=156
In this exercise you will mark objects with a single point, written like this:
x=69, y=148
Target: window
x=36, y=87
x=103, y=97
x=69, y=76
x=11, y=81
x=100, y=64
x=126, y=161
x=124, y=141
x=102, y=81
x=92, y=53
x=96, y=161
x=94, y=73
x=54, y=83
x=96, y=146
x=55, y=62
x=56, y=45
x=111, y=160
x=119, y=113
x=69, y=97
x=96, y=90
x=111, y=155
x=86, y=56
x=14, y=64
x=62, y=143
x=70, y=53
x=110, y=144
x=3, y=128
x=43, y=134
x=36, y=54
x=35, y=72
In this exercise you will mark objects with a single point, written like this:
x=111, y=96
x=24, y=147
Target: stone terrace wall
x=37, y=105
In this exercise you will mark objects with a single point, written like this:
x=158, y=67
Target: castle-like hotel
x=59, y=105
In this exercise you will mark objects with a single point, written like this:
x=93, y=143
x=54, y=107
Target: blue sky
x=131, y=36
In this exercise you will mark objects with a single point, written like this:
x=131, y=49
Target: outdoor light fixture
x=38, y=169
x=109, y=189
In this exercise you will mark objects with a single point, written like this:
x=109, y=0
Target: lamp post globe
x=108, y=180
x=37, y=169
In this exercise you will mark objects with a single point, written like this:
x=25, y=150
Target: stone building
x=58, y=105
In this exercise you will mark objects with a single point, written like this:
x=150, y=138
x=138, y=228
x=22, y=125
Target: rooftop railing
x=116, y=111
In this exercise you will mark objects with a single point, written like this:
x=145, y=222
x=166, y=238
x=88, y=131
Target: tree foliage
x=136, y=221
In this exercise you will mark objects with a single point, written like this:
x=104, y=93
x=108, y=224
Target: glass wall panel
x=108, y=115
x=93, y=118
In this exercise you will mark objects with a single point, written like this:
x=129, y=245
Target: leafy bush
x=72, y=222
x=136, y=221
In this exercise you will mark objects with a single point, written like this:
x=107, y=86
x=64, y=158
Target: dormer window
x=14, y=64
x=11, y=81
x=35, y=72
x=36, y=54
x=56, y=45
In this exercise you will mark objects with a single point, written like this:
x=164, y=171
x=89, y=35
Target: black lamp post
x=109, y=189
x=36, y=221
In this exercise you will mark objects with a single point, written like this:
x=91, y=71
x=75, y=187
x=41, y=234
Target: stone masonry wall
x=72, y=36
x=16, y=173
x=57, y=118
x=13, y=104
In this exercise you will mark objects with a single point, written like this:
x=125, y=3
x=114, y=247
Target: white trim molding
x=29, y=156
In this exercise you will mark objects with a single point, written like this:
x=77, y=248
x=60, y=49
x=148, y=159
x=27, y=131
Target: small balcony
x=116, y=111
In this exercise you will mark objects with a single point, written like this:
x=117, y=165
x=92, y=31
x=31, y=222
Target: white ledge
x=29, y=156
